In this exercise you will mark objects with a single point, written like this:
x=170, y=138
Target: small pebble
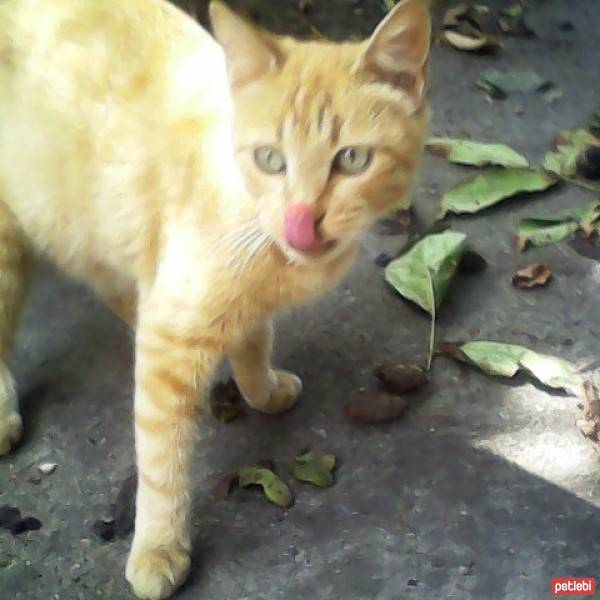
x=413, y=582
x=47, y=468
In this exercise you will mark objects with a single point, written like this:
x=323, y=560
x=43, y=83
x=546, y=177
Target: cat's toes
x=11, y=429
x=156, y=572
x=284, y=394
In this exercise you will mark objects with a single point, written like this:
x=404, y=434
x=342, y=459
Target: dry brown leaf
x=398, y=379
x=590, y=425
x=463, y=29
x=531, y=276
x=376, y=407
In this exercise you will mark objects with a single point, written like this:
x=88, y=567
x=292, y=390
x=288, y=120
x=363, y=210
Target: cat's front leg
x=266, y=389
x=172, y=370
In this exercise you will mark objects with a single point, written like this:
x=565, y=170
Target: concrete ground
x=487, y=490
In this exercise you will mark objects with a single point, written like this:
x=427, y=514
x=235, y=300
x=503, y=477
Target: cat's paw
x=285, y=389
x=11, y=430
x=155, y=572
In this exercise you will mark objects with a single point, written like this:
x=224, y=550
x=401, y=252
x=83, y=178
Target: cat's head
x=328, y=136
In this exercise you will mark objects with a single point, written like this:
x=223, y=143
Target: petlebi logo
x=573, y=586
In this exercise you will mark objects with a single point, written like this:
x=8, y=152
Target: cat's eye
x=270, y=160
x=353, y=160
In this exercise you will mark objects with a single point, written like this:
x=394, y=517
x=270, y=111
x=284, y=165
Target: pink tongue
x=299, y=228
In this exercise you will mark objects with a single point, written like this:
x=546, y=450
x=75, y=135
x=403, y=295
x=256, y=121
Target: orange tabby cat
x=198, y=191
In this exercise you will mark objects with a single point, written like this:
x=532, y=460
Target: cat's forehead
x=316, y=97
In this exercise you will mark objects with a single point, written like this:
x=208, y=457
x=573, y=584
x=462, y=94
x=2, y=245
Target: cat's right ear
x=397, y=53
x=250, y=52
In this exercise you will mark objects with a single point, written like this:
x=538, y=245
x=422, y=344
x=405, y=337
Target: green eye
x=270, y=160
x=353, y=160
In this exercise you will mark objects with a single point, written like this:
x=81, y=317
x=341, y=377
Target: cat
x=199, y=185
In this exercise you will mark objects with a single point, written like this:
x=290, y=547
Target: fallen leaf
x=590, y=425
x=514, y=81
x=400, y=379
x=464, y=30
x=507, y=359
x=491, y=186
x=226, y=401
x=274, y=489
x=576, y=158
x=314, y=468
x=222, y=490
x=551, y=228
x=514, y=10
x=491, y=90
x=531, y=276
x=588, y=163
x=478, y=154
x=435, y=256
x=372, y=408
x=513, y=22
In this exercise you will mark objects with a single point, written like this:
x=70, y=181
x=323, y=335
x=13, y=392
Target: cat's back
x=99, y=101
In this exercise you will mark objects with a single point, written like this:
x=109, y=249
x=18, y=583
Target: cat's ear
x=250, y=52
x=398, y=51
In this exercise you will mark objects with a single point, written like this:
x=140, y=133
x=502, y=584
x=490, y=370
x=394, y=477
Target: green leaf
x=275, y=490
x=513, y=81
x=506, y=359
x=435, y=256
x=550, y=228
x=314, y=468
x=514, y=10
x=542, y=233
x=491, y=186
x=466, y=152
x=563, y=161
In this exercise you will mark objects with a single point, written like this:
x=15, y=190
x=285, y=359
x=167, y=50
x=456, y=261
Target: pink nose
x=300, y=228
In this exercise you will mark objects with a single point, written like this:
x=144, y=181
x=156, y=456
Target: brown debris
x=225, y=486
x=376, y=407
x=463, y=28
x=399, y=379
x=590, y=424
x=531, y=276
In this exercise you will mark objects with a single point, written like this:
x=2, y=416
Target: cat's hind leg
x=269, y=390
x=15, y=269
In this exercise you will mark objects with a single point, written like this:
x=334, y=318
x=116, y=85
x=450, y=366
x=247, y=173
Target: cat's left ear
x=397, y=53
x=250, y=52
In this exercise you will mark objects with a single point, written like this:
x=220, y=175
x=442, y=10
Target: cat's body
x=116, y=160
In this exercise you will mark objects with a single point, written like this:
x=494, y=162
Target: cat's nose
x=300, y=228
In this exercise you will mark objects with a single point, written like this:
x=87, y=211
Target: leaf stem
x=582, y=184
x=433, y=319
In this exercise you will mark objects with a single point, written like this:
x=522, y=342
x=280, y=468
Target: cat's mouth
x=302, y=232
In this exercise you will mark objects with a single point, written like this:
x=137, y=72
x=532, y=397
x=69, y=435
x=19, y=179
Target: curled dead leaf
x=376, y=407
x=463, y=29
x=531, y=276
x=590, y=425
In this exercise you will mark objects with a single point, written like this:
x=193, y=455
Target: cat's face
x=328, y=136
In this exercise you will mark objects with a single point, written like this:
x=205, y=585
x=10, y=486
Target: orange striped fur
x=128, y=141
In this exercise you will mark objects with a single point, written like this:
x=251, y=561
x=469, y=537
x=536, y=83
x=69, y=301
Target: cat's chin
x=331, y=251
